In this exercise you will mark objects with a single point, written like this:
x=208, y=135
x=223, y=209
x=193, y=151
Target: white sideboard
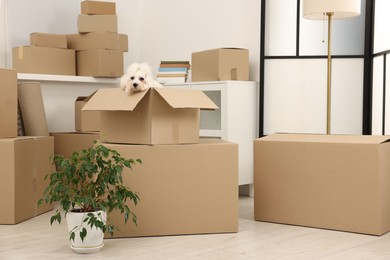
x=59, y=94
x=236, y=120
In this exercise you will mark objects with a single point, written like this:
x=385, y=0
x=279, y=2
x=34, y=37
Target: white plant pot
x=93, y=242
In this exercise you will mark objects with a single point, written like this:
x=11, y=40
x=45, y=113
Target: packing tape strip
x=35, y=176
x=175, y=133
x=20, y=53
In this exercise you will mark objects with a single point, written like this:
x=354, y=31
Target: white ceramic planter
x=93, y=242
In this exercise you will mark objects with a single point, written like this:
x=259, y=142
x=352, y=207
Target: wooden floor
x=36, y=239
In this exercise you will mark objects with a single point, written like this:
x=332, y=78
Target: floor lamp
x=330, y=9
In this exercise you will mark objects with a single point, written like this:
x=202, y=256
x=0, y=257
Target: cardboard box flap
x=113, y=100
x=85, y=98
x=186, y=98
x=322, y=138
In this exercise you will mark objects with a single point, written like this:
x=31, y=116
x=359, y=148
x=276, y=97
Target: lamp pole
x=328, y=100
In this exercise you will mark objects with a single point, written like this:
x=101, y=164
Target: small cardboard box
x=98, y=40
x=24, y=164
x=155, y=116
x=67, y=143
x=97, y=7
x=100, y=63
x=48, y=40
x=86, y=121
x=44, y=60
x=220, y=64
x=338, y=182
x=97, y=23
x=180, y=194
x=8, y=103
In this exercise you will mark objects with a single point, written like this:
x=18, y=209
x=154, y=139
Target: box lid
x=322, y=138
x=115, y=99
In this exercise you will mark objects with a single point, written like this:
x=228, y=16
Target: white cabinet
x=59, y=94
x=236, y=120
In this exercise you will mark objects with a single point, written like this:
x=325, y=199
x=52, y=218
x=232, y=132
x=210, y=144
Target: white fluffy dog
x=138, y=78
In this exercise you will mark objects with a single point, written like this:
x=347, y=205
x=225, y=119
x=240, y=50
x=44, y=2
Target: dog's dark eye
x=141, y=79
x=132, y=78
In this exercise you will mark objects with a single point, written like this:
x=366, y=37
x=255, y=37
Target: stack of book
x=173, y=71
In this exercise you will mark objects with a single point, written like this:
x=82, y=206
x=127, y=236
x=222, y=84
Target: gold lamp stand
x=329, y=79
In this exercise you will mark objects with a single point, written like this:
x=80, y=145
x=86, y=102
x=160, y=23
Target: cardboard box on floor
x=86, y=121
x=97, y=23
x=8, y=103
x=98, y=40
x=338, y=182
x=97, y=7
x=100, y=63
x=220, y=64
x=44, y=60
x=48, y=40
x=155, y=116
x=67, y=143
x=24, y=164
x=184, y=189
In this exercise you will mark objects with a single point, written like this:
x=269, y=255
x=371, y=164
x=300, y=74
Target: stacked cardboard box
x=161, y=127
x=99, y=47
x=46, y=54
x=24, y=160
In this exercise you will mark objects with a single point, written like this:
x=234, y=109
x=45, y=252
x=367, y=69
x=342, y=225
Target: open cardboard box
x=155, y=116
x=339, y=182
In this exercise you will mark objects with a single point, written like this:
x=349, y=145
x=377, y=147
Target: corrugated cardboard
x=24, y=164
x=48, y=40
x=97, y=23
x=155, y=116
x=100, y=63
x=97, y=7
x=184, y=189
x=8, y=103
x=86, y=121
x=98, y=40
x=67, y=143
x=220, y=64
x=336, y=182
x=44, y=60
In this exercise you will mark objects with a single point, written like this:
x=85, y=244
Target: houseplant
x=89, y=183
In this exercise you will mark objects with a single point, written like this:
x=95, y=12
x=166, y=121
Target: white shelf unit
x=59, y=93
x=236, y=120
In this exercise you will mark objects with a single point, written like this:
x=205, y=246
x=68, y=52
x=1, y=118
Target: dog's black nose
x=135, y=85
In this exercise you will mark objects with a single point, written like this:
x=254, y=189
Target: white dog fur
x=138, y=78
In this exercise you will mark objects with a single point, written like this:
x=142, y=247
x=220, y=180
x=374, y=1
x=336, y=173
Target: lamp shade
x=316, y=9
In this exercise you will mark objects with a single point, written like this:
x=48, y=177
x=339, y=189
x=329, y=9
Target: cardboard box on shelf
x=25, y=162
x=48, y=40
x=339, y=182
x=67, y=143
x=220, y=64
x=97, y=23
x=86, y=121
x=98, y=40
x=8, y=103
x=97, y=7
x=155, y=116
x=169, y=182
x=44, y=60
x=100, y=63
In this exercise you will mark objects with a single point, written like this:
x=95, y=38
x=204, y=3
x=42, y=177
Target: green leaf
x=83, y=234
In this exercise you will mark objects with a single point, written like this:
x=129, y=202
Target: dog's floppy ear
x=124, y=80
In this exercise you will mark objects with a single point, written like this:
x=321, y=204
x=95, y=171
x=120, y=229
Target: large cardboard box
x=86, y=121
x=24, y=164
x=155, y=116
x=8, y=103
x=100, y=63
x=98, y=40
x=68, y=142
x=48, y=40
x=97, y=23
x=220, y=64
x=44, y=60
x=97, y=7
x=184, y=189
x=338, y=182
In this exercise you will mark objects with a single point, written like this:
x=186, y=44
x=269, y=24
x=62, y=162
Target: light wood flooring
x=36, y=239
